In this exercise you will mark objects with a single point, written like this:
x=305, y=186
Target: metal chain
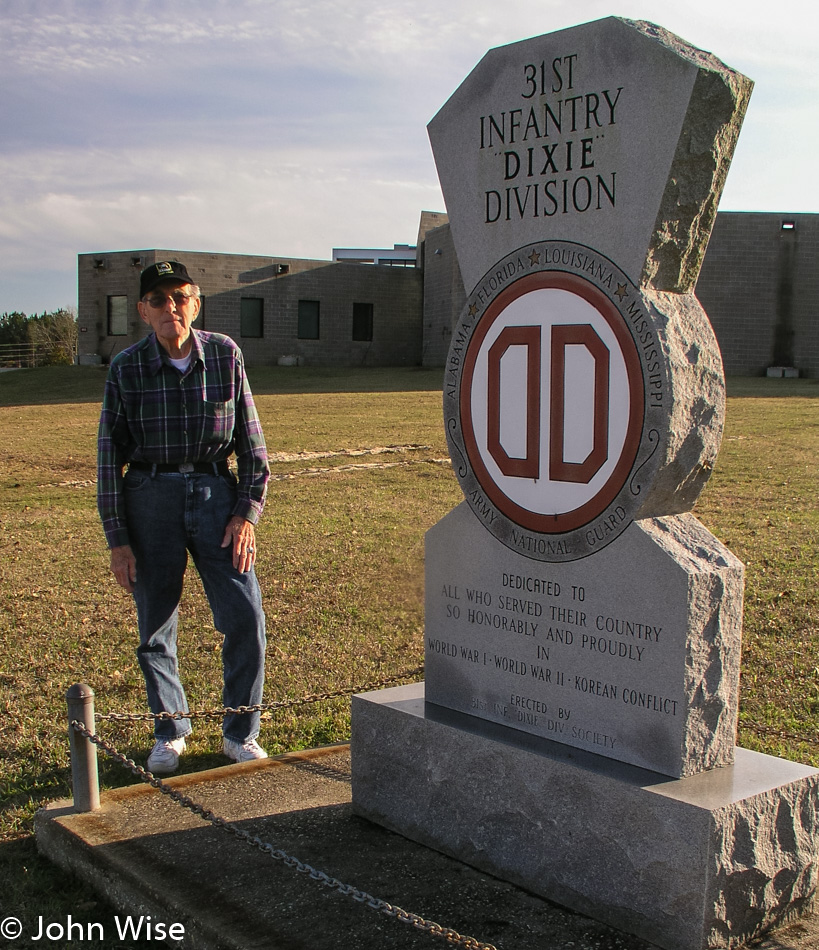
x=349, y=691
x=452, y=937
x=258, y=707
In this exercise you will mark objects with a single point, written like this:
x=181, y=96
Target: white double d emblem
x=551, y=405
x=563, y=337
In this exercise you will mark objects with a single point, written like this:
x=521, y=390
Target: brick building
x=759, y=286
x=277, y=309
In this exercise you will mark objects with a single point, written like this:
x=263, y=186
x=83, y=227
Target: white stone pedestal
x=706, y=861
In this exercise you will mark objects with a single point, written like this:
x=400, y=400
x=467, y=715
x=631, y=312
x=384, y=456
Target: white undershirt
x=182, y=364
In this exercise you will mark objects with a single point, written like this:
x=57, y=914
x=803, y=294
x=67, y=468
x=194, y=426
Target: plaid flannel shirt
x=152, y=413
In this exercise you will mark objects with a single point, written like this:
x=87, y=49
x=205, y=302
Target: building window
x=308, y=328
x=117, y=316
x=251, y=317
x=363, y=321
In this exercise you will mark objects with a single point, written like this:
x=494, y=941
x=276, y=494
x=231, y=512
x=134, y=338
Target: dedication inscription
x=591, y=659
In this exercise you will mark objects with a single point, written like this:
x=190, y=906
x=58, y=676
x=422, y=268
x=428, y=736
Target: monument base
x=708, y=861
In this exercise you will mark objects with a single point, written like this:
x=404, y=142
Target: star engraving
x=473, y=309
x=621, y=292
x=534, y=258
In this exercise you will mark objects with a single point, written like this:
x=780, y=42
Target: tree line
x=45, y=339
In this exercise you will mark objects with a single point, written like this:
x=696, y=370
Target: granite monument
x=576, y=730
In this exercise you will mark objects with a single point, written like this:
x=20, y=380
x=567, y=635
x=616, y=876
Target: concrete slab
x=712, y=860
x=147, y=856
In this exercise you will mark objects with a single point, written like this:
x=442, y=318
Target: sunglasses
x=158, y=301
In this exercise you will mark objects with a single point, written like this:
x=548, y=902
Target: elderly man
x=176, y=406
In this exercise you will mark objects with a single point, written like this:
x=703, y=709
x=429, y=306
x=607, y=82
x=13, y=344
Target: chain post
x=84, y=776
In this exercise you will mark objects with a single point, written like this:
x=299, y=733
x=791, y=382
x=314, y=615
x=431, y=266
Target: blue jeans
x=168, y=516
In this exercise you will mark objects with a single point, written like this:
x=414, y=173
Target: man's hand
x=242, y=535
x=123, y=567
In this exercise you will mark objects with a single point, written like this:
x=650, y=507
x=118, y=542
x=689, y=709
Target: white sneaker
x=164, y=757
x=245, y=751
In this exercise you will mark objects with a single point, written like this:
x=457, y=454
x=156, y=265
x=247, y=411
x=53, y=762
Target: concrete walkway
x=146, y=855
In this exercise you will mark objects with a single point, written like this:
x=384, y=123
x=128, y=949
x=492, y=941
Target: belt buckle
x=186, y=468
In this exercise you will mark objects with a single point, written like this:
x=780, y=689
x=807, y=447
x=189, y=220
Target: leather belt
x=183, y=468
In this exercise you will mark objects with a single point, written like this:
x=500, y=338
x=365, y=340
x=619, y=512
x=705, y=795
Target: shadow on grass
x=33, y=788
x=52, y=385
x=35, y=888
x=753, y=387
x=35, y=782
x=276, y=380
x=56, y=385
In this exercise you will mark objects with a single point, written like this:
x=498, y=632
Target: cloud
x=292, y=126
x=284, y=201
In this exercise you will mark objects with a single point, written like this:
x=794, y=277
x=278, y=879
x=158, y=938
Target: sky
x=290, y=127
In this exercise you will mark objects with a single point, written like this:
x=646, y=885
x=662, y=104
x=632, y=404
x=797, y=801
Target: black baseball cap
x=165, y=270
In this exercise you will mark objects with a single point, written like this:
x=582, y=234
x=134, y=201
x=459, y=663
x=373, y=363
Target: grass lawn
x=360, y=471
